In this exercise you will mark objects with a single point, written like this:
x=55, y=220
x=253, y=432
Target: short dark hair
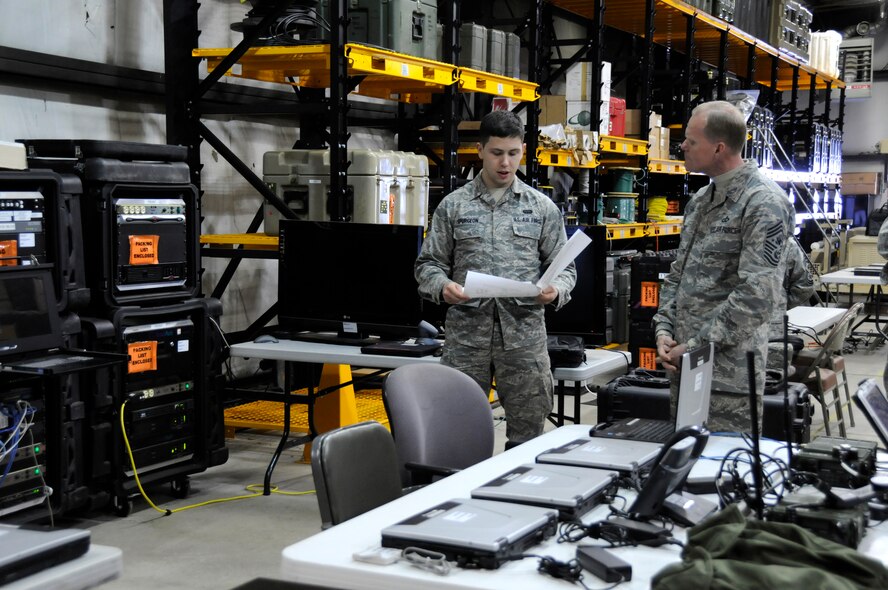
x=501, y=124
x=724, y=123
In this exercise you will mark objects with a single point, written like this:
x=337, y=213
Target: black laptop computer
x=30, y=328
x=26, y=550
x=694, y=390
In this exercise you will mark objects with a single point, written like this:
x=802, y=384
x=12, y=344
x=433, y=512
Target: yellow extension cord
x=168, y=511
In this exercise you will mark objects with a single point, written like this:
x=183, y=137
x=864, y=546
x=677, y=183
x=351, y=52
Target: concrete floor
x=223, y=545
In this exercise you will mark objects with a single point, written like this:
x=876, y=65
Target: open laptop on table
x=874, y=405
x=695, y=387
x=30, y=325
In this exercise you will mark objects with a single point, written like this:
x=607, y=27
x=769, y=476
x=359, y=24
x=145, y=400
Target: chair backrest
x=833, y=341
x=439, y=416
x=355, y=469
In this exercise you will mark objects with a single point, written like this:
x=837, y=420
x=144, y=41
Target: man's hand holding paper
x=480, y=285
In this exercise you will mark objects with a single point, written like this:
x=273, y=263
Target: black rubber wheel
x=122, y=505
x=180, y=488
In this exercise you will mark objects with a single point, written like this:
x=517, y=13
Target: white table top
x=815, y=318
x=325, y=559
x=598, y=360
x=846, y=275
x=99, y=565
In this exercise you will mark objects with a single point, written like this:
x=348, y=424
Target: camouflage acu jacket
x=727, y=274
x=516, y=238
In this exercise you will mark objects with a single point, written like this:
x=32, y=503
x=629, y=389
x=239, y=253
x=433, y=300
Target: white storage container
x=302, y=179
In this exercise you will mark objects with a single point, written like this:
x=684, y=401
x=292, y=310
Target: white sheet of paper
x=576, y=244
x=483, y=285
x=479, y=284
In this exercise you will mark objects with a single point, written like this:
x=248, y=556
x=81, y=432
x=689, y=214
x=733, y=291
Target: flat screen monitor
x=355, y=279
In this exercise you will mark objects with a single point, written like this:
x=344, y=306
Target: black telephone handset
x=670, y=470
x=701, y=437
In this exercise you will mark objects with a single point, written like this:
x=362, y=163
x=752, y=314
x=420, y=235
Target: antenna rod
x=756, y=453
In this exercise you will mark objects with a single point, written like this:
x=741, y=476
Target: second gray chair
x=440, y=418
x=355, y=469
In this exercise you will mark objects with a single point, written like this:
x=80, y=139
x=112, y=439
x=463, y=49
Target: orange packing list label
x=8, y=253
x=650, y=294
x=143, y=249
x=142, y=356
x=647, y=358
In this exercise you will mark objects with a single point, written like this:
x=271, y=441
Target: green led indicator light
x=36, y=472
x=36, y=449
x=188, y=386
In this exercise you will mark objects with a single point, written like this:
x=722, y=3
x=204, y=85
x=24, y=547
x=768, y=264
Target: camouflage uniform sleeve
x=552, y=239
x=798, y=275
x=883, y=249
x=765, y=228
x=664, y=319
x=434, y=266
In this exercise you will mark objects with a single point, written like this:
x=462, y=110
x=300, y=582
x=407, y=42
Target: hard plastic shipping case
x=513, y=55
x=800, y=409
x=173, y=413
x=388, y=187
x=141, y=212
x=405, y=26
x=473, y=46
x=645, y=394
x=496, y=52
x=40, y=222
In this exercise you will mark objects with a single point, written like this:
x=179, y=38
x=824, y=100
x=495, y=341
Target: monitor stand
x=331, y=338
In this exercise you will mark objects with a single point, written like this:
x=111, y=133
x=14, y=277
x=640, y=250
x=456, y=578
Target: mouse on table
x=263, y=338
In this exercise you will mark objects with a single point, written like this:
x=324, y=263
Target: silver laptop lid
x=555, y=485
x=483, y=525
x=603, y=453
x=695, y=387
x=22, y=547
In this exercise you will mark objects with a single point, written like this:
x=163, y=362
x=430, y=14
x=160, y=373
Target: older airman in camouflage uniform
x=729, y=267
x=498, y=225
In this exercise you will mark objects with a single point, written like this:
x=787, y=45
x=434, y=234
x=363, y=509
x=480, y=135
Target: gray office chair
x=440, y=418
x=355, y=469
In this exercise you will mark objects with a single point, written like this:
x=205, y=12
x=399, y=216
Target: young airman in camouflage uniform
x=498, y=225
x=730, y=264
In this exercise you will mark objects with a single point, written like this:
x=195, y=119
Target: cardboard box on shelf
x=553, y=109
x=664, y=136
x=654, y=144
x=633, y=122
x=860, y=183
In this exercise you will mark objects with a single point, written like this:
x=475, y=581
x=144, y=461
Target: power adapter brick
x=603, y=564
